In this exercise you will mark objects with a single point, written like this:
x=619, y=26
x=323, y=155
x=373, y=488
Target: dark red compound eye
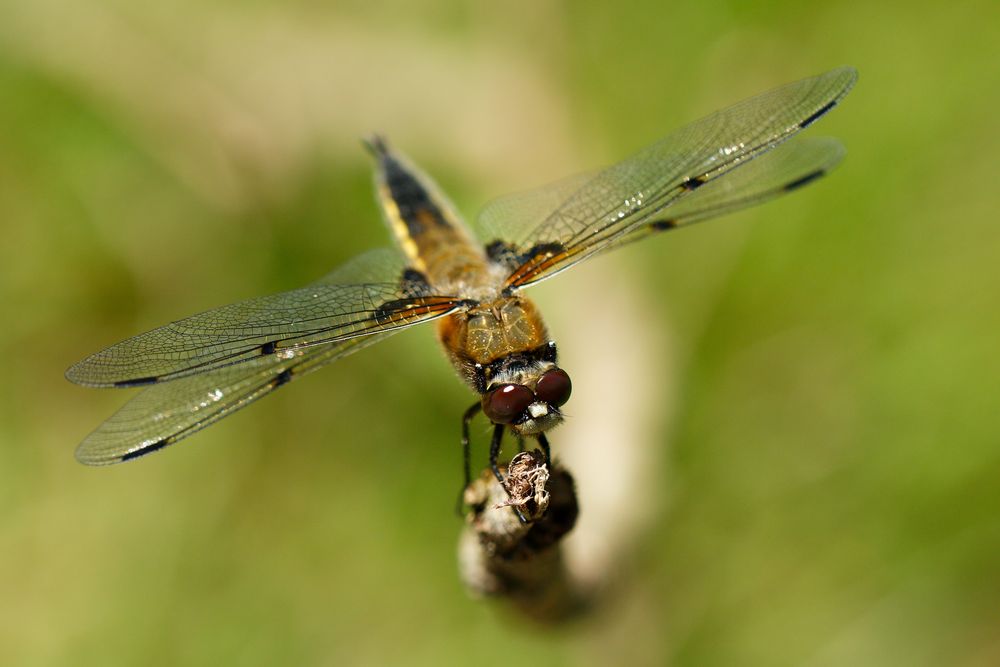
x=505, y=403
x=554, y=387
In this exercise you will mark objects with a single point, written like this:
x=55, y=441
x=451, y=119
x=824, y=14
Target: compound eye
x=506, y=402
x=554, y=387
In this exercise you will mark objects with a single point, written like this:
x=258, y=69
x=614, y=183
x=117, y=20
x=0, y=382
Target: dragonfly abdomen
x=424, y=223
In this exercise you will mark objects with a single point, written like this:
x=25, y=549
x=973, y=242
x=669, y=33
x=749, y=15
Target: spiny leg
x=495, y=452
x=466, y=419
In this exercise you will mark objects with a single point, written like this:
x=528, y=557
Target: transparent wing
x=541, y=233
x=274, y=327
x=163, y=414
x=784, y=169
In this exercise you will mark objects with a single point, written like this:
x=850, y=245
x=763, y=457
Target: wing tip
x=76, y=374
x=848, y=76
x=88, y=458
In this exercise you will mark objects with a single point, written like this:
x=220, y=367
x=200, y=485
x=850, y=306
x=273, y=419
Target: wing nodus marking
x=693, y=183
x=268, y=348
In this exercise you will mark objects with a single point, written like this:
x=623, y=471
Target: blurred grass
x=833, y=456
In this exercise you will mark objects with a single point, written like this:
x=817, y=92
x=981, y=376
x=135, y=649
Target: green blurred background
x=822, y=378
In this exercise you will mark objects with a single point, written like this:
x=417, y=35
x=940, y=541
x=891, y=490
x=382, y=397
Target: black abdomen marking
x=417, y=208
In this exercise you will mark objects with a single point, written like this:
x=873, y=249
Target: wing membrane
x=163, y=414
x=596, y=212
x=786, y=168
x=324, y=314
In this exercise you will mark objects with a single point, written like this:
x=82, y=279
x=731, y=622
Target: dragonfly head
x=532, y=407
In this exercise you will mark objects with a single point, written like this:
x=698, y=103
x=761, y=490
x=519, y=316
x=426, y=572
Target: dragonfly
x=200, y=369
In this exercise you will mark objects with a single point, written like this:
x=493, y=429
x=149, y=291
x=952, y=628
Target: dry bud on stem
x=503, y=557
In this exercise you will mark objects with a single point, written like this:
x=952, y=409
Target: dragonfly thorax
x=494, y=336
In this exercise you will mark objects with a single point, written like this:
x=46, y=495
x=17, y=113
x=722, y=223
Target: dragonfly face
x=200, y=369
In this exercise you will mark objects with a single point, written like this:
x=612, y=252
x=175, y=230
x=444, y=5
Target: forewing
x=165, y=413
x=326, y=313
x=515, y=218
x=784, y=169
x=594, y=213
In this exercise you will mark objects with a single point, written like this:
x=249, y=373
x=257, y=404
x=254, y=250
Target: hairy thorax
x=491, y=331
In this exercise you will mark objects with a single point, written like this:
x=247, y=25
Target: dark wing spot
x=284, y=377
x=500, y=252
x=548, y=249
x=147, y=449
x=822, y=110
x=414, y=282
x=385, y=312
x=138, y=382
x=693, y=183
x=662, y=225
x=268, y=348
x=528, y=264
x=805, y=180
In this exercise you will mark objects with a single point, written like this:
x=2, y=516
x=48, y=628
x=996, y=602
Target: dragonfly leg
x=544, y=443
x=466, y=419
x=495, y=452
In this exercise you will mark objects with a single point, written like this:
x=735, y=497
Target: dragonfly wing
x=165, y=413
x=516, y=216
x=277, y=326
x=784, y=169
x=610, y=204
